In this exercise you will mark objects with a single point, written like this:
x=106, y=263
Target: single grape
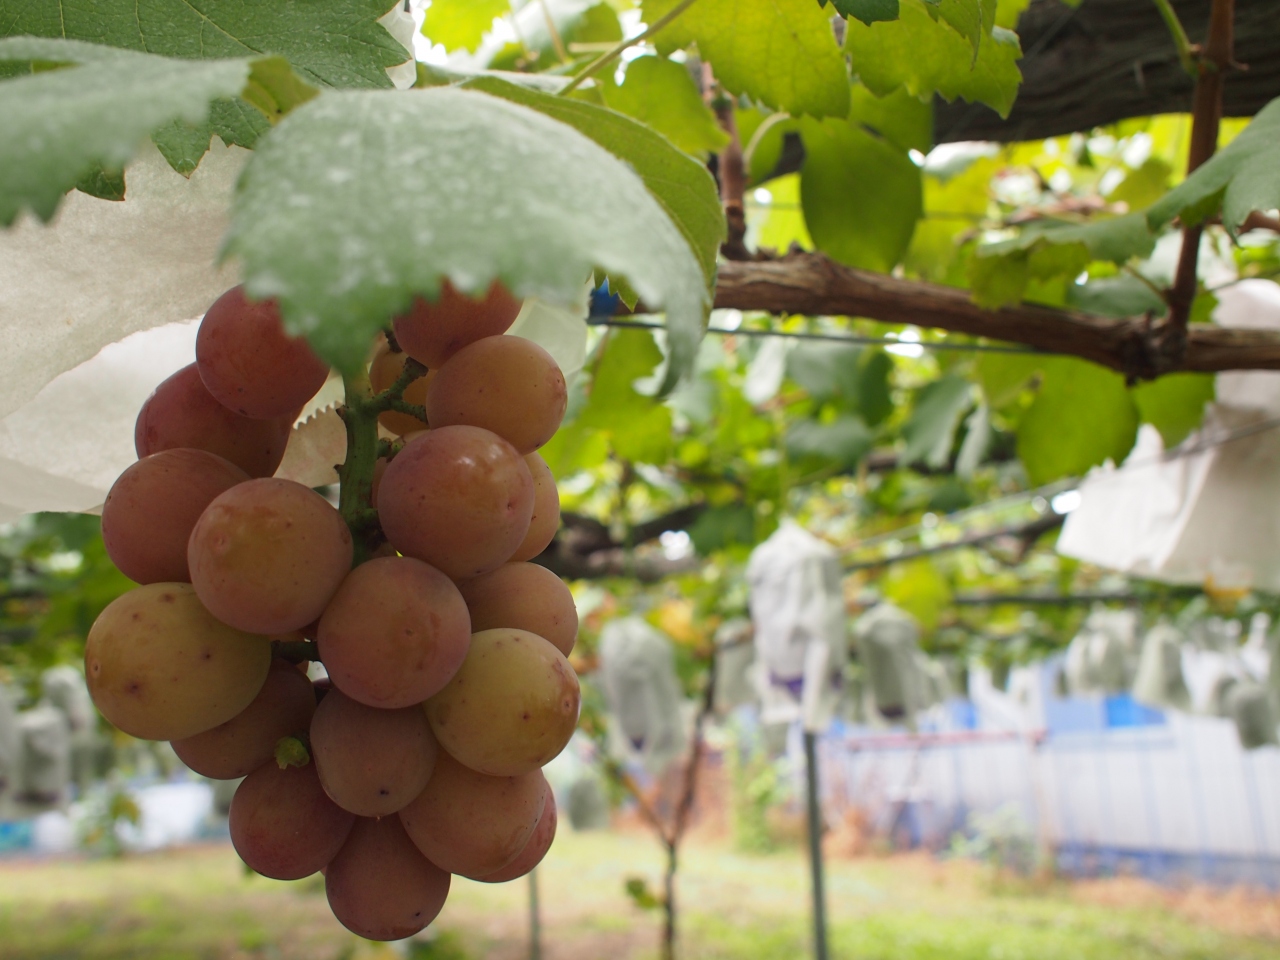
x=267, y=555
x=546, y=510
x=383, y=372
x=371, y=761
x=183, y=413
x=161, y=667
x=250, y=364
x=433, y=332
x=459, y=498
x=469, y=823
x=395, y=632
x=527, y=597
x=509, y=385
x=282, y=823
x=380, y=886
x=510, y=708
x=534, y=849
x=282, y=708
x=152, y=507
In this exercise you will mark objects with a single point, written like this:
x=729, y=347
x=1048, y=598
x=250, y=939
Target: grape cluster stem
x=360, y=413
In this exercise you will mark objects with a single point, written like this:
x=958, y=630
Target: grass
x=199, y=904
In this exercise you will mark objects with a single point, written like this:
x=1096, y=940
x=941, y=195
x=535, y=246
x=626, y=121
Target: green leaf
x=358, y=202
x=1082, y=416
x=900, y=118
x=972, y=19
x=780, y=52
x=338, y=43
x=1122, y=296
x=1242, y=177
x=62, y=125
x=926, y=57
x=680, y=184
x=461, y=24
x=918, y=588
x=103, y=184
x=931, y=430
x=1002, y=376
x=875, y=399
x=868, y=11
x=846, y=440
x=720, y=527
x=825, y=370
x=661, y=94
x=861, y=195
x=638, y=426
x=1044, y=250
x=1144, y=186
x=1174, y=404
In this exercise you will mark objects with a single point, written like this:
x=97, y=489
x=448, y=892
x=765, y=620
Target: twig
x=602, y=61
x=556, y=40
x=731, y=169
x=1186, y=54
x=1213, y=62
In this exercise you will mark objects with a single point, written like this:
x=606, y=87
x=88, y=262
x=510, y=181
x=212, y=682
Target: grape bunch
x=448, y=685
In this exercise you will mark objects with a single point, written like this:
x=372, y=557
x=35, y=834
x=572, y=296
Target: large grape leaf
x=999, y=274
x=927, y=56
x=661, y=94
x=337, y=43
x=861, y=195
x=69, y=125
x=638, y=427
x=681, y=184
x=931, y=430
x=1243, y=177
x=1082, y=416
x=868, y=11
x=780, y=52
x=358, y=201
x=1174, y=404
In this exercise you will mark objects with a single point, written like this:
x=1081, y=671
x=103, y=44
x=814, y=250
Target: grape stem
x=359, y=413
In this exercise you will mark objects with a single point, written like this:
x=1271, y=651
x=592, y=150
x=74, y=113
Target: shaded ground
x=199, y=903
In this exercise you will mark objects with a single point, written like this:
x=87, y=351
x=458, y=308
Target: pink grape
x=183, y=413
x=527, y=597
x=282, y=708
x=249, y=364
x=161, y=667
x=459, y=498
x=371, y=761
x=282, y=823
x=380, y=886
x=508, y=385
x=153, y=506
x=469, y=823
x=433, y=332
x=546, y=510
x=534, y=849
x=394, y=633
x=510, y=708
x=267, y=555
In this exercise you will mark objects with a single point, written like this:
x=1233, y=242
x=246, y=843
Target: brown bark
x=811, y=283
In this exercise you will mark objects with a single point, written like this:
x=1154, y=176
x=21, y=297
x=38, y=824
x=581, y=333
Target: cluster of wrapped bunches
x=448, y=685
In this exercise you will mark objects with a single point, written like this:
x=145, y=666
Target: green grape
x=152, y=507
x=249, y=364
x=380, y=886
x=469, y=823
x=371, y=761
x=510, y=708
x=161, y=667
x=282, y=823
x=433, y=332
x=508, y=385
x=183, y=413
x=267, y=555
x=282, y=708
x=527, y=597
x=459, y=498
x=534, y=849
x=394, y=633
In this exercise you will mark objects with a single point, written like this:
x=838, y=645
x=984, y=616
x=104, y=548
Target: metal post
x=535, y=924
x=815, y=847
